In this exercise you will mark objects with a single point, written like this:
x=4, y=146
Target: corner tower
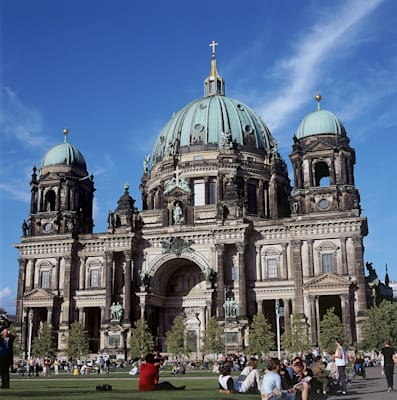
x=62, y=196
x=323, y=165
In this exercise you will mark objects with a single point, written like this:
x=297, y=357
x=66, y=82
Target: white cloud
x=6, y=300
x=318, y=46
x=19, y=121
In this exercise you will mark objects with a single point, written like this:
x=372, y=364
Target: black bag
x=103, y=387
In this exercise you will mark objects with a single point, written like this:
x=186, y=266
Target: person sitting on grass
x=225, y=380
x=249, y=379
x=149, y=377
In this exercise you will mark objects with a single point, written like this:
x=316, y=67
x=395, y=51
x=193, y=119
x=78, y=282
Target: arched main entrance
x=179, y=286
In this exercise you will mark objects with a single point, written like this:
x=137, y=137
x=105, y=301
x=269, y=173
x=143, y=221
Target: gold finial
x=318, y=99
x=65, y=133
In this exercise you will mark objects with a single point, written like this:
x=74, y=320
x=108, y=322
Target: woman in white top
x=341, y=361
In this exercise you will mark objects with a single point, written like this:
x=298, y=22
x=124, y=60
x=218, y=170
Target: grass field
x=66, y=386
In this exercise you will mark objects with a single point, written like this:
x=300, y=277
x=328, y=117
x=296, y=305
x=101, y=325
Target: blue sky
x=115, y=71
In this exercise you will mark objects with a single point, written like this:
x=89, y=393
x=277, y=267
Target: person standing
x=341, y=361
x=389, y=358
x=6, y=357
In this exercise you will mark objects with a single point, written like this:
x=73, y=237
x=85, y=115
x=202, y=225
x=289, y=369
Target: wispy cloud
x=317, y=46
x=19, y=121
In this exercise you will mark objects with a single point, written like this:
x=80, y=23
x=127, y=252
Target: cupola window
x=321, y=174
x=50, y=200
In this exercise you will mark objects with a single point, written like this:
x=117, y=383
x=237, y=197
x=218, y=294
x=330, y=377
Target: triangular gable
x=50, y=176
x=319, y=146
x=39, y=294
x=326, y=281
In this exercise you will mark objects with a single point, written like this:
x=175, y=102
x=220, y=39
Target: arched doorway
x=179, y=286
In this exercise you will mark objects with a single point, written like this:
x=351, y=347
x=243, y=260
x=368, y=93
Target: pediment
x=320, y=146
x=39, y=294
x=327, y=281
x=50, y=176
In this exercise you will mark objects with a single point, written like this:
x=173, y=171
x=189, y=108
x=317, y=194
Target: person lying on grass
x=225, y=380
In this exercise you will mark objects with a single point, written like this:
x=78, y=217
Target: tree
x=295, y=339
x=141, y=341
x=77, y=341
x=381, y=323
x=330, y=328
x=177, y=341
x=213, y=338
x=44, y=343
x=261, y=337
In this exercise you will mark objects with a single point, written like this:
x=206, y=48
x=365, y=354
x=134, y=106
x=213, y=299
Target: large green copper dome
x=213, y=122
x=64, y=154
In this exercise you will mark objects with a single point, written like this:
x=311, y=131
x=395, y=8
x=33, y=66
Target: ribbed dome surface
x=207, y=121
x=320, y=122
x=64, y=154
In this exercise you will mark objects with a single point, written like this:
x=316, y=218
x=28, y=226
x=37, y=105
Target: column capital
x=220, y=247
x=240, y=247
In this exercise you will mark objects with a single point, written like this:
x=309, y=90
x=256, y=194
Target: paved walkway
x=373, y=387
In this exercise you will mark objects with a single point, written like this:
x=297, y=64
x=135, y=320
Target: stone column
x=258, y=263
x=311, y=183
x=67, y=290
x=127, y=286
x=220, y=279
x=242, y=280
x=284, y=271
x=313, y=319
x=260, y=199
x=286, y=312
x=310, y=257
x=346, y=318
x=344, y=256
x=21, y=289
x=259, y=304
x=296, y=260
x=109, y=284
x=219, y=191
x=82, y=273
x=360, y=277
x=273, y=198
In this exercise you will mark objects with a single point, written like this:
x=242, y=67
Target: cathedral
x=221, y=233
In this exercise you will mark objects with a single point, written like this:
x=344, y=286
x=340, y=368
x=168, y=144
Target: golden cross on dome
x=213, y=44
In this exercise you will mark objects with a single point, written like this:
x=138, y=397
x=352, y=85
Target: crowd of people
x=300, y=378
x=312, y=377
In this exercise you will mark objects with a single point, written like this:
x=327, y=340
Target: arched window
x=50, y=200
x=321, y=174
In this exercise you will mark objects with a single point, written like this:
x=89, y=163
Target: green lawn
x=198, y=386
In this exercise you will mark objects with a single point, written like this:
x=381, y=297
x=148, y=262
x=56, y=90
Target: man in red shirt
x=149, y=376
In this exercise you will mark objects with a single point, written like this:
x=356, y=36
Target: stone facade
x=219, y=225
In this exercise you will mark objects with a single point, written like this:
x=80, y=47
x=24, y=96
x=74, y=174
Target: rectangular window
x=271, y=264
x=94, y=278
x=328, y=263
x=212, y=191
x=252, y=201
x=199, y=193
x=45, y=279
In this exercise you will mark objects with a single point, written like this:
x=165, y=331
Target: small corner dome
x=320, y=122
x=64, y=154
